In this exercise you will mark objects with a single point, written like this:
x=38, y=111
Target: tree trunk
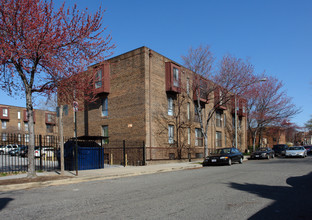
x=31, y=131
x=254, y=141
x=206, y=145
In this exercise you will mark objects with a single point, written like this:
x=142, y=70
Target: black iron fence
x=125, y=153
x=14, y=153
x=93, y=153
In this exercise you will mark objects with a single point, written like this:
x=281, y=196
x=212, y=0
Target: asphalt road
x=264, y=189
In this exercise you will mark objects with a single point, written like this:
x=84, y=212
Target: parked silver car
x=296, y=151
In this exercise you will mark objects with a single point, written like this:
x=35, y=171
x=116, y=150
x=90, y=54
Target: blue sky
x=275, y=35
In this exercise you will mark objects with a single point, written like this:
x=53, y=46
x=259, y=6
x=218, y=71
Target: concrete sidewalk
x=98, y=174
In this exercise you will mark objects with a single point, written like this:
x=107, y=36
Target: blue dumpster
x=90, y=155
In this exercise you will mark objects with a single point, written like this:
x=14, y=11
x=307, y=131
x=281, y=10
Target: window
x=175, y=77
x=218, y=119
x=49, y=128
x=188, y=111
x=188, y=86
x=98, y=79
x=218, y=139
x=18, y=115
x=4, y=137
x=220, y=97
x=4, y=124
x=26, y=138
x=224, y=120
x=19, y=126
x=188, y=136
x=196, y=118
x=170, y=106
x=5, y=112
x=26, y=126
x=105, y=133
x=19, y=138
x=50, y=117
x=105, y=106
x=198, y=137
x=170, y=134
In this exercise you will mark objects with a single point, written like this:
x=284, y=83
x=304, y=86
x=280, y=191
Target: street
x=278, y=188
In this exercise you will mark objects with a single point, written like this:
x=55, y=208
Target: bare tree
x=267, y=105
x=231, y=77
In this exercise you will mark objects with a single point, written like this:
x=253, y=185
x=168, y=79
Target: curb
x=78, y=179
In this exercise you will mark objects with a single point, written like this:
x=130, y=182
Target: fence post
x=124, y=152
x=40, y=148
x=144, y=156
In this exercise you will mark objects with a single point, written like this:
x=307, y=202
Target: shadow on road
x=290, y=202
x=4, y=202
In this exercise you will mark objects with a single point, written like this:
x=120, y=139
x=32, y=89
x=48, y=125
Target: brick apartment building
x=14, y=125
x=146, y=97
x=269, y=137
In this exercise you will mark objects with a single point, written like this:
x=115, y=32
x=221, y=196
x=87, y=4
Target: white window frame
x=5, y=112
x=19, y=126
x=26, y=138
x=170, y=106
x=4, y=124
x=98, y=79
x=189, y=136
x=105, y=133
x=218, y=139
x=50, y=117
x=188, y=111
x=218, y=119
x=175, y=74
x=26, y=126
x=4, y=137
x=199, y=137
x=104, y=112
x=188, y=86
x=171, y=134
x=18, y=115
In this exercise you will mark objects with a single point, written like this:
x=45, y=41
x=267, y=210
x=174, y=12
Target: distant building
x=146, y=97
x=14, y=124
x=269, y=137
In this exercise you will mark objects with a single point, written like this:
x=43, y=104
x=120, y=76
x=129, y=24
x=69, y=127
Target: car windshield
x=223, y=151
x=295, y=148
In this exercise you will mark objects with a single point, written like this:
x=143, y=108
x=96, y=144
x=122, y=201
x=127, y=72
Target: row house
x=146, y=97
x=14, y=123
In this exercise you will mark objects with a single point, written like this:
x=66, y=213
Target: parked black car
x=263, y=153
x=224, y=156
x=280, y=149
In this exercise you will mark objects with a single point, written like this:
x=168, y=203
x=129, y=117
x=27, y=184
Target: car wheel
x=230, y=162
x=240, y=160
